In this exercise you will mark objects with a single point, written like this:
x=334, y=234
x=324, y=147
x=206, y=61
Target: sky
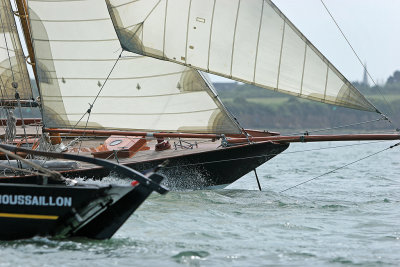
x=371, y=26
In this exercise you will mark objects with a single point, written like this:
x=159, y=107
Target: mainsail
x=79, y=62
x=13, y=70
x=246, y=40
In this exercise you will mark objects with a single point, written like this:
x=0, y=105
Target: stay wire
x=272, y=154
x=344, y=126
x=341, y=167
x=9, y=28
x=359, y=59
x=97, y=96
x=8, y=50
x=80, y=144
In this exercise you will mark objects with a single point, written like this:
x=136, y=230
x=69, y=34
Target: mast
x=14, y=76
x=316, y=138
x=24, y=18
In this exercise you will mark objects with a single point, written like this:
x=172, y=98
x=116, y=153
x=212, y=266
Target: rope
x=359, y=59
x=14, y=83
x=339, y=168
x=22, y=170
x=344, y=126
x=265, y=155
x=53, y=174
x=95, y=99
x=11, y=129
x=87, y=121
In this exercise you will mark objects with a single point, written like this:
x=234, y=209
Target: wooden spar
x=14, y=103
x=316, y=138
x=277, y=139
x=27, y=121
x=23, y=16
x=126, y=133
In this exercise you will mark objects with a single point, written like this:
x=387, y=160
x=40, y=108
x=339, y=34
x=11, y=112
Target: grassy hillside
x=264, y=109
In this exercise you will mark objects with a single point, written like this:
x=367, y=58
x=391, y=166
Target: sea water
x=350, y=217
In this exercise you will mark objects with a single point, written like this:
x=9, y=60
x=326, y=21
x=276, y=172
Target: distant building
x=365, y=76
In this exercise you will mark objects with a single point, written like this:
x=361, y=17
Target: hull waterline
x=198, y=170
x=213, y=168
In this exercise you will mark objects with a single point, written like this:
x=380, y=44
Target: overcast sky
x=372, y=27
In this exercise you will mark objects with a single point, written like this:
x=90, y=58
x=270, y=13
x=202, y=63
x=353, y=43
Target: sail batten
x=249, y=41
x=80, y=62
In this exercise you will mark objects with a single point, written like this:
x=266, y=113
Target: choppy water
x=350, y=217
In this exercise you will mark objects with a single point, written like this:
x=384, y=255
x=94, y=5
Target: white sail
x=12, y=59
x=76, y=48
x=246, y=40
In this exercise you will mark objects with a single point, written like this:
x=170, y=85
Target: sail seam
x=165, y=26
x=124, y=96
x=258, y=40
x=320, y=55
x=67, y=21
x=211, y=31
x=115, y=78
x=5, y=48
x=359, y=59
x=304, y=67
x=280, y=56
x=5, y=39
x=86, y=59
x=234, y=37
x=326, y=80
x=76, y=41
x=127, y=3
x=144, y=114
x=187, y=31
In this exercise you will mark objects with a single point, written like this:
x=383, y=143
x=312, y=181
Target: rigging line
x=344, y=126
x=5, y=110
x=8, y=160
x=31, y=57
x=272, y=154
x=253, y=157
x=342, y=167
x=91, y=105
x=87, y=121
x=14, y=84
x=2, y=85
x=359, y=59
x=108, y=76
x=5, y=40
x=22, y=170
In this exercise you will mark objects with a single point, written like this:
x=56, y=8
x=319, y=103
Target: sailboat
x=126, y=81
x=51, y=204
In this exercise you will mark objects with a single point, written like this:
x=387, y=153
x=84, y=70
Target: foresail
x=246, y=40
x=76, y=48
x=12, y=60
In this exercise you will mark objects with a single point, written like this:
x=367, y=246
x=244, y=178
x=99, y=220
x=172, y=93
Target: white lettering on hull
x=29, y=200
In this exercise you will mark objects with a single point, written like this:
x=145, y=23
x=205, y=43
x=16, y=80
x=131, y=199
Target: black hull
x=211, y=168
x=214, y=168
x=92, y=211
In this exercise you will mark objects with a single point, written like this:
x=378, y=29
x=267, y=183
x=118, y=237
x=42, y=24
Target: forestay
x=76, y=48
x=12, y=60
x=246, y=40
